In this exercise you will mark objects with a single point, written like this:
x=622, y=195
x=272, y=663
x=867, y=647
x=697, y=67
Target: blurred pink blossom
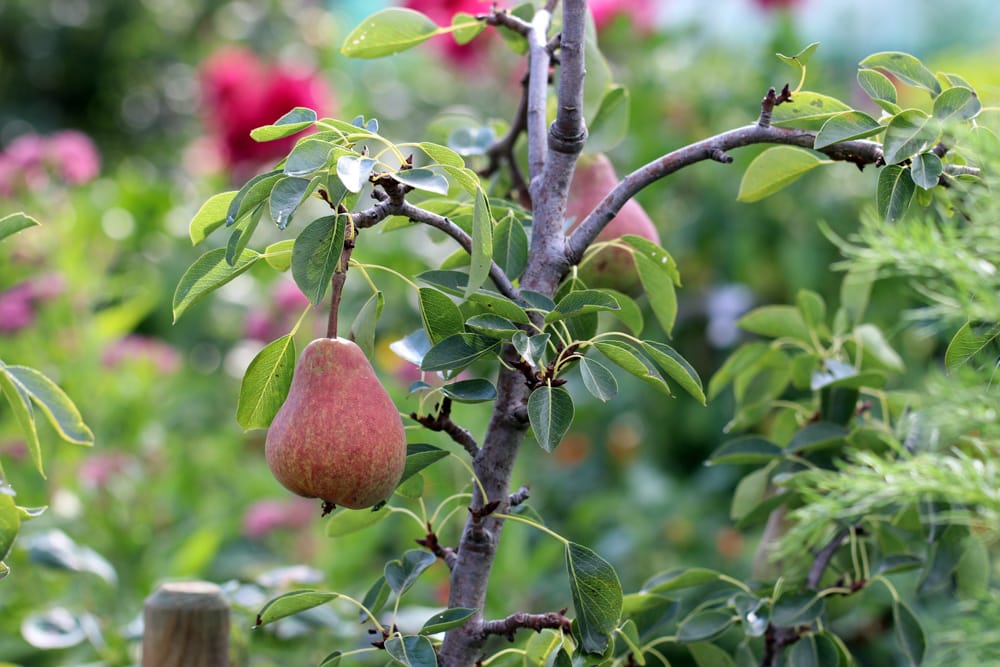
x=97, y=470
x=75, y=156
x=641, y=12
x=442, y=12
x=135, y=347
x=278, y=317
x=266, y=516
x=31, y=161
x=777, y=4
x=16, y=309
x=240, y=93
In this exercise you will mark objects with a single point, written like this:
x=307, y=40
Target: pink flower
x=266, y=516
x=99, y=469
x=641, y=12
x=135, y=347
x=442, y=12
x=286, y=305
x=17, y=311
x=289, y=298
x=31, y=160
x=241, y=93
x=777, y=4
x=75, y=156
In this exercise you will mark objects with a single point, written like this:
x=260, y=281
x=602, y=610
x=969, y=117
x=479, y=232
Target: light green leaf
x=968, y=342
x=482, y=244
x=597, y=596
x=876, y=348
x=411, y=650
x=62, y=414
x=470, y=391
x=846, y=126
x=904, y=67
x=598, y=380
x=550, y=412
x=582, y=302
x=441, y=154
x=807, y=111
x=419, y=455
x=744, y=357
x=10, y=523
x=629, y=633
x=401, y=574
x=375, y=598
x=925, y=170
x=958, y=103
x=265, y=384
x=679, y=579
x=20, y=404
x=316, y=255
x=296, y=120
x=210, y=216
x=610, y=124
x=879, y=88
x=628, y=311
x=388, y=31
x=278, y=255
x=627, y=357
x=446, y=620
x=423, y=179
x=800, y=59
x=658, y=284
x=776, y=322
x=363, y=327
x=510, y=246
x=292, y=603
x=240, y=236
x=441, y=316
x=457, y=351
x=774, y=169
x=332, y=660
x=354, y=171
x=465, y=27
x=894, y=192
x=344, y=521
x=13, y=223
x=908, y=133
x=676, y=367
x=307, y=157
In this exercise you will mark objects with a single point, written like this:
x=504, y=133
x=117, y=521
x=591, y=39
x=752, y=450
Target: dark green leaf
x=411, y=650
x=775, y=168
x=797, y=608
x=287, y=195
x=375, y=598
x=446, y=620
x=582, y=302
x=253, y=193
x=265, y=384
x=388, y=31
x=598, y=380
x=597, y=596
x=241, y=234
x=656, y=253
x=457, y=351
x=676, y=367
x=807, y=111
x=307, y=157
x=673, y=580
x=879, y=88
x=353, y=171
x=704, y=625
x=550, y=412
x=403, y=573
x=894, y=192
x=316, y=255
x=208, y=273
x=846, y=126
x=296, y=120
x=968, y=342
x=898, y=563
x=958, y=103
x=292, y=603
x=441, y=316
x=926, y=169
x=909, y=132
x=710, y=655
x=493, y=326
x=746, y=449
x=814, y=650
x=420, y=455
x=818, y=435
x=904, y=67
x=363, y=327
x=482, y=244
x=470, y=391
x=658, y=284
x=16, y=222
x=909, y=634
x=740, y=360
x=510, y=246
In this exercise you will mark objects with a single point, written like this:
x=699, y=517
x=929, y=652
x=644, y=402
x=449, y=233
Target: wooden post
x=186, y=624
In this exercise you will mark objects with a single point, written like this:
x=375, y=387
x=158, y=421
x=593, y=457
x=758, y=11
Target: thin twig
x=339, y=278
x=442, y=422
x=508, y=626
x=519, y=497
x=823, y=558
x=431, y=543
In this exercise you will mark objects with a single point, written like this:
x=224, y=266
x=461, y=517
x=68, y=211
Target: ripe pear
x=613, y=268
x=338, y=436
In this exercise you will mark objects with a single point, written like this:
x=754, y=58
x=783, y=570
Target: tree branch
x=537, y=622
x=857, y=152
x=538, y=88
x=442, y=422
x=502, y=150
x=447, y=554
x=823, y=558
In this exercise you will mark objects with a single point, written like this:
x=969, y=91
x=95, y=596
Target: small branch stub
x=186, y=624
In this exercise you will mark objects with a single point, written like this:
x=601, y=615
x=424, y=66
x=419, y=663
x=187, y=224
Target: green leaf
x=278, y=255
x=905, y=68
x=800, y=59
x=482, y=244
x=550, y=412
x=287, y=195
x=411, y=650
x=265, y=384
x=354, y=171
x=876, y=348
x=292, y=603
x=16, y=222
x=296, y=120
x=894, y=192
x=457, y=351
x=678, y=579
x=968, y=342
x=465, y=27
x=659, y=287
x=676, y=367
x=412, y=488
x=628, y=311
x=316, y=255
x=909, y=132
x=363, y=327
x=332, y=660
x=812, y=307
x=774, y=169
x=704, y=625
x=598, y=380
x=20, y=404
x=60, y=411
x=610, y=124
x=308, y=156
x=797, y=608
x=253, y=193
x=582, y=302
x=710, y=655
x=10, y=523
x=240, y=236
x=470, y=391
x=958, y=103
x=208, y=273
x=423, y=179
x=401, y=574
x=814, y=650
x=510, y=246
x=420, y=455
x=744, y=357
x=749, y=493
x=625, y=356
x=846, y=126
x=909, y=634
x=388, y=31
x=879, y=88
x=491, y=325
x=776, y=322
x=446, y=620
x=818, y=435
x=375, y=598
x=807, y=111
x=746, y=449
x=597, y=596
x=344, y=521
x=210, y=216
x=441, y=154
x=925, y=170
x=441, y=316
x=660, y=257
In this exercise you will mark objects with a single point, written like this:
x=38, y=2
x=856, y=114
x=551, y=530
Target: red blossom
x=777, y=4
x=641, y=12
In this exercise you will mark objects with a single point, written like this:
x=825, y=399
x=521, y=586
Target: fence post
x=186, y=624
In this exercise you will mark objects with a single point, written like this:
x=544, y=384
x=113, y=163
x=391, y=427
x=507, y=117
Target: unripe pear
x=613, y=268
x=338, y=436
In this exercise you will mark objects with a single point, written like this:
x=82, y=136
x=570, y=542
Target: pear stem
x=339, y=277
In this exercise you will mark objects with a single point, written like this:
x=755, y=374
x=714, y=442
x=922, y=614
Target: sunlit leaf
x=775, y=168
x=423, y=179
x=807, y=111
x=879, y=88
x=909, y=132
x=16, y=222
x=442, y=318
x=208, y=273
x=446, y=620
x=388, y=31
x=510, y=246
x=550, y=412
x=292, y=603
x=846, y=126
x=610, y=124
x=597, y=596
x=958, y=103
x=353, y=171
x=265, y=384
x=894, y=192
x=61, y=412
x=905, y=68
x=296, y=120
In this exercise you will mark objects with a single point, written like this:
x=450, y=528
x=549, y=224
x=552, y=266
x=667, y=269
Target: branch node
x=561, y=143
x=722, y=156
x=519, y=497
x=442, y=422
x=771, y=100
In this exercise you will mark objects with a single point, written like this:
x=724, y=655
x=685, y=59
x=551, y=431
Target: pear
x=613, y=268
x=338, y=436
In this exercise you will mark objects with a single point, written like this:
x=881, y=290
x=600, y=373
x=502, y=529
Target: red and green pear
x=610, y=267
x=338, y=436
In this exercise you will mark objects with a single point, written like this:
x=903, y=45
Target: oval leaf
x=470, y=391
x=411, y=650
x=598, y=380
x=676, y=367
x=209, y=217
x=363, y=326
x=344, y=521
x=582, y=302
x=958, y=103
x=807, y=111
x=510, y=246
x=61, y=412
x=423, y=179
x=909, y=634
x=846, y=126
x=292, y=603
x=908, y=133
x=597, y=596
x=879, y=88
x=353, y=171
x=296, y=120
x=208, y=273
x=265, y=384
x=316, y=255
x=457, y=351
x=10, y=523
x=278, y=255
x=482, y=244
x=446, y=620
x=550, y=412
x=704, y=625
x=904, y=67
x=774, y=169
x=926, y=169
x=388, y=31
x=442, y=318
x=15, y=222
x=420, y=455
x=894, y=192
x=403, y=573
x=748, y=449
